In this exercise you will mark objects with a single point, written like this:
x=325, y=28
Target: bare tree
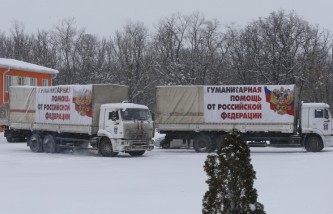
x=133, y=64
x=87, y=48
x=44, y=52
x=3, y=51
x=169, y=47
x=282, y=49
x=189, y=50
x=20, y=44
x=317, y=65
x=67, y=38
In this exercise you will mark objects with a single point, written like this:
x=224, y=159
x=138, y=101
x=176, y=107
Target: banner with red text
x=249, y=104
x=66, y=104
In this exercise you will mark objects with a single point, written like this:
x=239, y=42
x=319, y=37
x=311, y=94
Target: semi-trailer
x=265, y=115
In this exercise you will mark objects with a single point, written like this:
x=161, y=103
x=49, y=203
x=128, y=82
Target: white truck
x=78, y=116
x=265, y=115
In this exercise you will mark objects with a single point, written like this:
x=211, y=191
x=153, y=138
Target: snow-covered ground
x=162, y=181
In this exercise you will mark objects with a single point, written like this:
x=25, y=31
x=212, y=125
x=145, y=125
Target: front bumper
x=138, y=148
x=127, y=145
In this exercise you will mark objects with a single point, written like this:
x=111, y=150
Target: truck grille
x=137, y=136
x=138, y=131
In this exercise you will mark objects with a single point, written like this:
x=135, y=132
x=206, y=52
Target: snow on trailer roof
x=315, y=105
x=123, y=105
x=25, y=66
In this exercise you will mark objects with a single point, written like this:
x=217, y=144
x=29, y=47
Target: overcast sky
x=104, y=17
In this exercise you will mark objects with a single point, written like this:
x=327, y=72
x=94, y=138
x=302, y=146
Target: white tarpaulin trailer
x=246, y=107
x=263, y=114
x=63, y=108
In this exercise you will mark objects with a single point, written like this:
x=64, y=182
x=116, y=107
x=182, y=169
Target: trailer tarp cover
x=226, y=104
x=179, y=104
x=65, y=108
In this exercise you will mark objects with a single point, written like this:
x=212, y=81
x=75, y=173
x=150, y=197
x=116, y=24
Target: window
x=27, y=81
x=33, y=81
x=16, y=80
x=113, y=115
x=13, y=80
x=322, y=113
x=45, y=82
x=20, y=80
x=319, y=113
x=135, y=114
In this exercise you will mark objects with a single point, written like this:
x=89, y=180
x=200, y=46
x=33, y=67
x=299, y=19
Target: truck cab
x=316, y=124
x=125, y=127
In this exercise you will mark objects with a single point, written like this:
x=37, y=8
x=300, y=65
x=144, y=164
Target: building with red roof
x=15, y=72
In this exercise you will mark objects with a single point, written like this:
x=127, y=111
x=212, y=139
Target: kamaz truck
x=265, y=115
x=78, y=116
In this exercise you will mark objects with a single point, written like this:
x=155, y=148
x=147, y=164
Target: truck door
x=322, y=120
x=112, y=122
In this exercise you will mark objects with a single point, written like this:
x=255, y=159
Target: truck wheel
x=219, y=142
x=136, y=153
x=105, y=148
x=49, y=144
x=10, y=139
x=313, y=144
x=35, y=143
x=203, y=143
x=165, y=144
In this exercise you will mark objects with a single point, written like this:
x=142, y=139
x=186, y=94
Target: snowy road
x=162, y=181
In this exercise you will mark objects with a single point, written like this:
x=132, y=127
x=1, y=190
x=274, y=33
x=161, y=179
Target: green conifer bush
x=230, y=179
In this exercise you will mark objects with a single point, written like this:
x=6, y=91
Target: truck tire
x=49, y=144
x=165, y=144
x=10, y=140
x=203, y=143
x=313, y=144
x=219, y=142
x=136, y=153
x=105, y=148
x=35, y=143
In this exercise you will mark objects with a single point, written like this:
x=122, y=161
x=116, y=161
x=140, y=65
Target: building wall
x=12, y=72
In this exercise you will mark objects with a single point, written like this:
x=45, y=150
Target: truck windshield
x=135, y=114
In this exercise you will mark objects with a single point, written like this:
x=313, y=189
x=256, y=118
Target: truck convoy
x=266, y=115
x=78, y=116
